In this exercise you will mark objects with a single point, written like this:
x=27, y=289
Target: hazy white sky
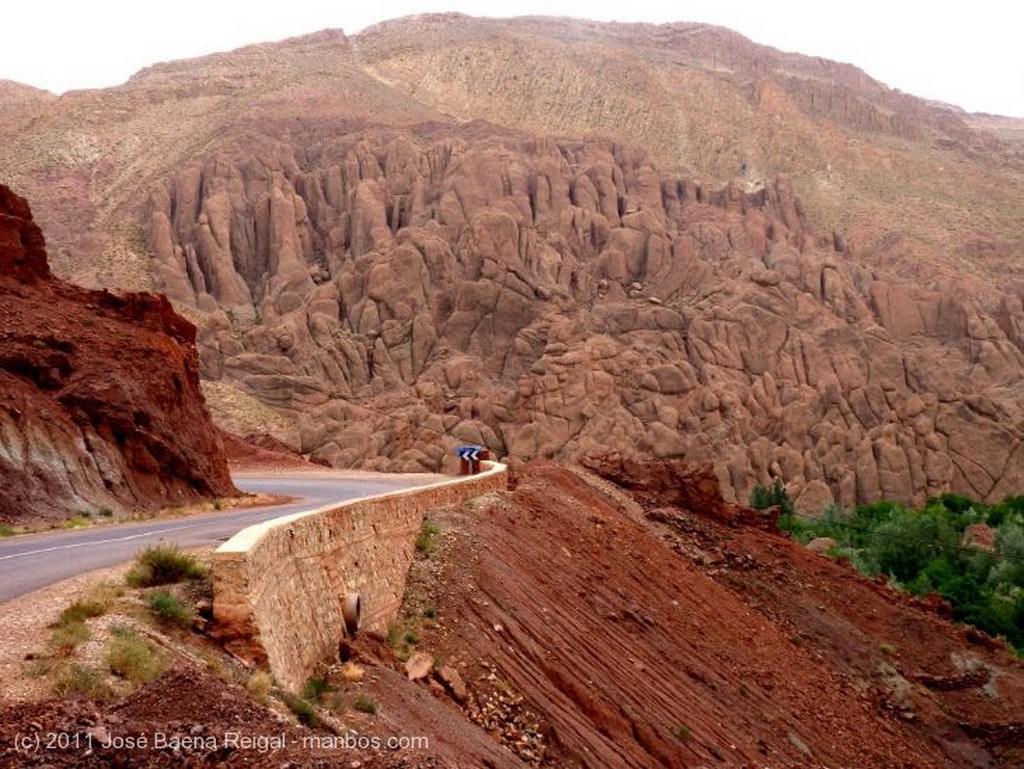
x=968, y=54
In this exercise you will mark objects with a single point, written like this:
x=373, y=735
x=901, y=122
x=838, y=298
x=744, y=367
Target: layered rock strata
x=99, y=393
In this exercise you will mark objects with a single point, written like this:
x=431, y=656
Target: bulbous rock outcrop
x=560, y=299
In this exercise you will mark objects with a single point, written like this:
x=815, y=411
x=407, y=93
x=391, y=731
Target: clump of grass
x=130, y=657
x=6, y=531
x=66, y=638
x=169, y=608
x=106, y=512
x=352, y=672
x=430, y=612
x=80, y=611
x=682, y=732
x=84, y=680
x=316, y=688
x=425, y=541
x=365, y=704
x=302, y=709
x=402, y=640
x=163, y=565
x=69, y=630
x=260, y=683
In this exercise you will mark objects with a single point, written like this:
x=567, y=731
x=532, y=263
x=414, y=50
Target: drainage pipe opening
x=351, y=612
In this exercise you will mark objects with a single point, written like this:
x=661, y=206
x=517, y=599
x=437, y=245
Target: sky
x=966, y=54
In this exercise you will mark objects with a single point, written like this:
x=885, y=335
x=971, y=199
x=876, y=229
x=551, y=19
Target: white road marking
x=71, y=545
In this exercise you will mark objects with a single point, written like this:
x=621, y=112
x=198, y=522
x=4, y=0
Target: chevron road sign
x=469, y=453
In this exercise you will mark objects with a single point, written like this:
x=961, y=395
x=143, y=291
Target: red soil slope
x=99, y=392
x=644, y=634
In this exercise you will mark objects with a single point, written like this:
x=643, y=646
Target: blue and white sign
x=469, y=453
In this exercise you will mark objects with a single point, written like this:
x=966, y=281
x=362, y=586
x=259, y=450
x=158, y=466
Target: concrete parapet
x=279, y=586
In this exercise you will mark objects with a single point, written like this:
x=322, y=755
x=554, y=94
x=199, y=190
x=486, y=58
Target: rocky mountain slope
x=99, y=393
x=400, y=242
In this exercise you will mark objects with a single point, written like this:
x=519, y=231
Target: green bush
x=910, y=540
x=316, y=688
x=302, y=709
x=163, y=565
x=169, y=608
x=762, y=497
x=924, y=552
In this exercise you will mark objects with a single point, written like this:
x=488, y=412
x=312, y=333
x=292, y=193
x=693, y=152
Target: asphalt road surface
x=32, y=561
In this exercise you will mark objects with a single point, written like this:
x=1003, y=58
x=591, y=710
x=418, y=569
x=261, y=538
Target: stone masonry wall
x=279, y=586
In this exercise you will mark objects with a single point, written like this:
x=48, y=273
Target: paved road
x=33, y=561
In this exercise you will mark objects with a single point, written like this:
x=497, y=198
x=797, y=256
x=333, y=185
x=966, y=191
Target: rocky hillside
x=400, y=242
x=99, y=393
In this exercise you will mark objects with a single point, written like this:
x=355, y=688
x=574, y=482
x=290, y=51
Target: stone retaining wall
x=278, y=586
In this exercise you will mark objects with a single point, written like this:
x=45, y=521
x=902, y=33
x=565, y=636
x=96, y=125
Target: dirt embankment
x=641, y=633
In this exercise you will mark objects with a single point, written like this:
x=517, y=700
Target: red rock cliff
x=99, y=393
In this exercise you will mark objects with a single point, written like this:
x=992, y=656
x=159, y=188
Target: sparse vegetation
x=6, y=531
x=762, y=497
x=168, y=608
x=66, y=638
x=425, y=541
x=81, y=610
x=401, y=639
x=682, y=732
x=302, y=709
x=163, y=565
x=69, y=630
x=84, y=680
x=366, y=704
x=260, y=683
x=131, y=658
x=316, y=688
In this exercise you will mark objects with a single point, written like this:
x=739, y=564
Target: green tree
x=762, y=497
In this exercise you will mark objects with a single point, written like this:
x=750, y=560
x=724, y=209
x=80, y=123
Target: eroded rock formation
x=397, y=293
x=99, y=392
x=379, y=243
